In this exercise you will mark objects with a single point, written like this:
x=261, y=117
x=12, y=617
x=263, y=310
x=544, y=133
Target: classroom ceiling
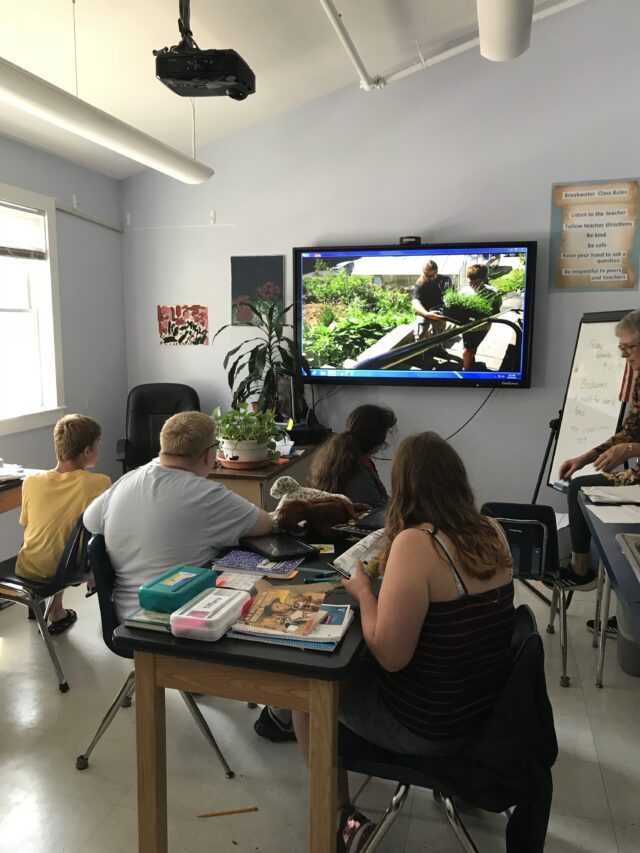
x=290, y=45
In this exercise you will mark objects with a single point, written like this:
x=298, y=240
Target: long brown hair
x=429, y=484
x=341, y=455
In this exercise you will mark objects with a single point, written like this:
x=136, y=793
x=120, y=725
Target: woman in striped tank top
x=439, y=632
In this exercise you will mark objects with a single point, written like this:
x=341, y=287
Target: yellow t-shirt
x=51, y=504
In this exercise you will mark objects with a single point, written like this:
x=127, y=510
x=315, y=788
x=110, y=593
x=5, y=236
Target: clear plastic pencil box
x=210, y=615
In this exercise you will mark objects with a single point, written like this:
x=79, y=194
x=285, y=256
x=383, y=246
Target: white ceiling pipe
x=35, y=96
x=379, y=82
x=504, y=27
x=366, y=82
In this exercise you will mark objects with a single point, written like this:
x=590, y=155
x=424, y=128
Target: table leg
x=596, y=618
x=604, y=619
x=152, y=757
x=323, y=764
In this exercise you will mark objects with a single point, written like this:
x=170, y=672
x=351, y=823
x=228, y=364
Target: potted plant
x=465, y=307
x=246, y=437
x=255, y=366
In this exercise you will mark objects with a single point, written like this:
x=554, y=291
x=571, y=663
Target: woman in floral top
x=606, y=458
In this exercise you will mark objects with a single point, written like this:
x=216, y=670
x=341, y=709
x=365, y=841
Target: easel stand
x=554, y=427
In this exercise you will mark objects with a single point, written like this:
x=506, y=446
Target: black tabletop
x=326, y=666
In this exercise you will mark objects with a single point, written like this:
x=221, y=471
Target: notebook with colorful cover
x=293, y=616
x=248, y=561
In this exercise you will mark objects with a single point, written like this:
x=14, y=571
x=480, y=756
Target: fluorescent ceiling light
x=35, y=96
x=504, y=27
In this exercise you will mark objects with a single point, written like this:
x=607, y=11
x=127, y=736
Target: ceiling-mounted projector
x=193, y=73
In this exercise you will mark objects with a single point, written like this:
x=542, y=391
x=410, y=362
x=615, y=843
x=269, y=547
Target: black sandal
x=61, y=625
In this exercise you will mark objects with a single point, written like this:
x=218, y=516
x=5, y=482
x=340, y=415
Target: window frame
x=48, y=414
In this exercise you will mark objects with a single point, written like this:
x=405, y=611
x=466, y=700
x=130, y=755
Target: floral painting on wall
x=255, y=280
x=183, y=325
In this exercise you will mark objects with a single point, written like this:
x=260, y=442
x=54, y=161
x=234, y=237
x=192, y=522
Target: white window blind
x=30, y=363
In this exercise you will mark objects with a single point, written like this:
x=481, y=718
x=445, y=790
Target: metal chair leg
x=206, y=731
x=457, y=826
x=553, y=609
x=63, y=686
x=387, y=819
x=604, y=620
x=565, y=681
x=596, y=616
x=82, y=761
x=126, y=702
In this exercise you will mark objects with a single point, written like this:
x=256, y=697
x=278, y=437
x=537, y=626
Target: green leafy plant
x=254, y=366
x=243, y=424
x=512, y=282
x=471, y=302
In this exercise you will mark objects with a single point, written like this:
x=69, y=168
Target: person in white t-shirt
x=167, y=513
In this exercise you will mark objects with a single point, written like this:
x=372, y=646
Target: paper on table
x=617, y=514
x=612, y=494
x=562, y=520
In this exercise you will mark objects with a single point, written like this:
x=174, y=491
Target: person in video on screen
x=606, y=459
x=478, y=283
x=343, y=464
x=439, y=632
x=425, y=298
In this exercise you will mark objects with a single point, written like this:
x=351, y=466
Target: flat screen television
x=451, y=314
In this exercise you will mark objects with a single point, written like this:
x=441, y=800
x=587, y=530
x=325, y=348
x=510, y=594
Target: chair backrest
x=532, y=536
x=148, y=407
x=105, y=578
x=73, y=566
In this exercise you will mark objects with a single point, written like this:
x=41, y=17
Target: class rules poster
x=594, y=235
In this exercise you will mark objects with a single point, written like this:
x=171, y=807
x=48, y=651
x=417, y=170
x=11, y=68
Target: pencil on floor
x=229, y=811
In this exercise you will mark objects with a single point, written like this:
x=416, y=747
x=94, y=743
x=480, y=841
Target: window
x=31, y=388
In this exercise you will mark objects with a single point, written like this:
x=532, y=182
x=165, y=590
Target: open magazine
x=367, y=550
x=293, y=616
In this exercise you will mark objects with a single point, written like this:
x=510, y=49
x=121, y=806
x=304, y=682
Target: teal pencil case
x=175, y=587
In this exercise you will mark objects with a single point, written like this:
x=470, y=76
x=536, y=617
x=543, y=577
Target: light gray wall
x=92, y=306
x=465, y=150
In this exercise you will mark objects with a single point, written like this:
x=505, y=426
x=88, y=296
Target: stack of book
x=293, y=617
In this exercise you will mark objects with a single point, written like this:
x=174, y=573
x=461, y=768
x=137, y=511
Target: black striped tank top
x=461, y=663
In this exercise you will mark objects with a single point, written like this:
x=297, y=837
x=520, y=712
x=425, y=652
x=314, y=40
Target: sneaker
x=354, y=830
x=570, y=580
x=612, y=627
x=270, y=727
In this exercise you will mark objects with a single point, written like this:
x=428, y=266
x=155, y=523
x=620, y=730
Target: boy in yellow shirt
x=52, y=502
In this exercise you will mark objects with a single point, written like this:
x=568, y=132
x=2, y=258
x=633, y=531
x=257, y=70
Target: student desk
x=250, y=672
x=254, y=484
x=12, y=498
x=614, y=572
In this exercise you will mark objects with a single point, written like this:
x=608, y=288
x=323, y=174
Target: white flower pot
x=243, y=451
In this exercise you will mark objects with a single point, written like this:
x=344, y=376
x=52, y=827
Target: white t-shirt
x=154, y=518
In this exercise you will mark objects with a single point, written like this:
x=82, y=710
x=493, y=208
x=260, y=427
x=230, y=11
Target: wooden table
x=251, y=672
x=12, y=498
x=254, y=484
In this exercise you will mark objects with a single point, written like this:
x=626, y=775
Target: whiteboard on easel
x=592, y=408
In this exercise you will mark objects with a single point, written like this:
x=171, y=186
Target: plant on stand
x=246, y=437
x=255, y=366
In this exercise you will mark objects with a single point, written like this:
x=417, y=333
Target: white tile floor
x=47, y=806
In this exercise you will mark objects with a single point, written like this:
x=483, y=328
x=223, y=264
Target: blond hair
x=74, y=433
x=187, y=434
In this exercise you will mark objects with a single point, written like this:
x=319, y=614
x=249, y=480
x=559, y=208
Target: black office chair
x=507, y=768
x=148, y=407
x=104, y=576
x=73, y=569
x=533, y=539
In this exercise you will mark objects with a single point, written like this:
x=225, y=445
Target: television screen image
x=446, y=314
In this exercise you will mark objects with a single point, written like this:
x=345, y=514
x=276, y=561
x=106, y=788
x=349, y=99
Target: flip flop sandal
x=91, y=592
x=61, y=625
